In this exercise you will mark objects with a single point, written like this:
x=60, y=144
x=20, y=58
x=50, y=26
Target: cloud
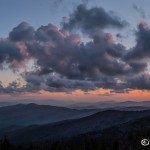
x=65, y=63
x=95, y=18
x=12, y=88
x=139, y=10
x=9, y=53
x=141, y=82
x=55, y=83
x=142, y=47
x=22, y=32
x=58, y=51
x=61, y=2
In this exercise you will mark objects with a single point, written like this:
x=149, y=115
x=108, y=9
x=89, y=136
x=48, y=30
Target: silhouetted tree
x=6, y=144
x=31, y=147
x=115, y=145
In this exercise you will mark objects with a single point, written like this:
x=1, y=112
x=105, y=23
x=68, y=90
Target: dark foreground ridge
x=104, y=130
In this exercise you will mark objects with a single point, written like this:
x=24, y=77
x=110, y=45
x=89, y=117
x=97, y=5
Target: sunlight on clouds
x=7, y=76
x=97, y=95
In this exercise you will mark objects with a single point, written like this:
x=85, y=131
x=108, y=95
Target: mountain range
x=22, y=115
x=25, y=123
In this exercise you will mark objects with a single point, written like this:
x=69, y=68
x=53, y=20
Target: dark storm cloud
x=66, y=85
x=51, y=83
x=9, y=52
x=57, y=83
x=141, y=82
x=54, y=50
x=99, y=63
x=65, y=63
x=22, y=32
x=92, y=19
x=138, y=67
x=57, y=51
x=142, y=48
x=102, y=51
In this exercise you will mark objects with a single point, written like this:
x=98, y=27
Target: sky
x=86, y=50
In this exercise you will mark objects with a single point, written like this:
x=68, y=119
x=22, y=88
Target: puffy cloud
x=56, y=83
x=65, y=63
x=92, y=19
x=141, y=82
x=12, y=88
x=142, y=48
x=22, y=32
x=9, y=53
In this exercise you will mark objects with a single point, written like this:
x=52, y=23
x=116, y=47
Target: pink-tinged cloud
x=65, y=63
x=110, y=38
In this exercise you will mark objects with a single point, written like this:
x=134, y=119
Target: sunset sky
x=80, y=50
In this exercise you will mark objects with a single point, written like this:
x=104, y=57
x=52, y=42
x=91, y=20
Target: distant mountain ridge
x=79, y=105
x=22, y=115
x=65, y=129
x=109, y=104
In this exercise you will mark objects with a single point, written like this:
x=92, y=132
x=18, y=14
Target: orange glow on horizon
x=78, y=95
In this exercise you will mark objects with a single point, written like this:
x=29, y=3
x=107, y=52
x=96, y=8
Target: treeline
x=86, y=142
